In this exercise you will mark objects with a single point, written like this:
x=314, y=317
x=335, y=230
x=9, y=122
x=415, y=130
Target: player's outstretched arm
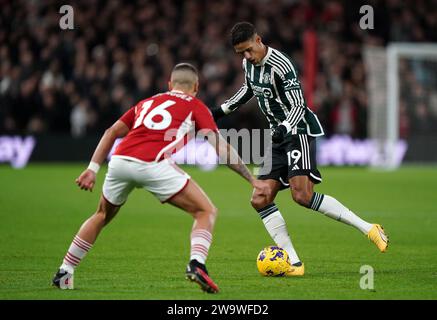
x=87, y=178
x=241, y=97
x=230, y=157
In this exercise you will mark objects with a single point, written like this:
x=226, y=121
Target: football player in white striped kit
x=272, y=78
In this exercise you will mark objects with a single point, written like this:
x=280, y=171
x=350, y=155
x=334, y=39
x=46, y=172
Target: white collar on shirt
x=267, y=56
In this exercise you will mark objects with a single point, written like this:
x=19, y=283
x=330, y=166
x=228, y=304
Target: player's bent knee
x=104, y=217
x=301, y=197
x=210, y=211
x=259, y=202
x=213, y=211
x=105, y=211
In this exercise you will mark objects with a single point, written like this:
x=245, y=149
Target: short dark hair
x=185, y=66
x=242, y=31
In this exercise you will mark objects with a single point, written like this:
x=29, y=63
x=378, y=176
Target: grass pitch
x=142, y=254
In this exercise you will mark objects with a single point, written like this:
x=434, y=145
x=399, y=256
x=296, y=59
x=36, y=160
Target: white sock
x=77, y=251
x=332, y=208
x=276, y=227
x=200, y=242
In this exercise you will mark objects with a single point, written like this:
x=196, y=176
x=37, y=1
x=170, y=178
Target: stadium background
x=65, y=87
x=79, y=81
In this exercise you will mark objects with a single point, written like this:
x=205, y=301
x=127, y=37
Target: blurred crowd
x=80, y=81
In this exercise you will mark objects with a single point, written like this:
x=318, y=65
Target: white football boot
x=63, y=280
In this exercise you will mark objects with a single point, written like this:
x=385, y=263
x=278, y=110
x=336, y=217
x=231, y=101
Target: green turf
x=142, y=254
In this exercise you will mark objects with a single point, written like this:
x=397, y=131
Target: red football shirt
x=159, y=125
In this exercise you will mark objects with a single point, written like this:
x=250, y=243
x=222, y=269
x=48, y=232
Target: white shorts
x=163, y=179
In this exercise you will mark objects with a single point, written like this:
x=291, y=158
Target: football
x=273, y=261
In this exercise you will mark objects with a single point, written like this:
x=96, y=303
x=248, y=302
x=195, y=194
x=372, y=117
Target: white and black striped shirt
x=275, y=84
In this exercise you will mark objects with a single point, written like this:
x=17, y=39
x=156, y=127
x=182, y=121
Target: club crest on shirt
x=266, y=78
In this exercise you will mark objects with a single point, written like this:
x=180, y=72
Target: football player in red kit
x=152, y=130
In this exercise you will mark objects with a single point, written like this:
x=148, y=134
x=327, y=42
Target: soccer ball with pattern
x=273, y=261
